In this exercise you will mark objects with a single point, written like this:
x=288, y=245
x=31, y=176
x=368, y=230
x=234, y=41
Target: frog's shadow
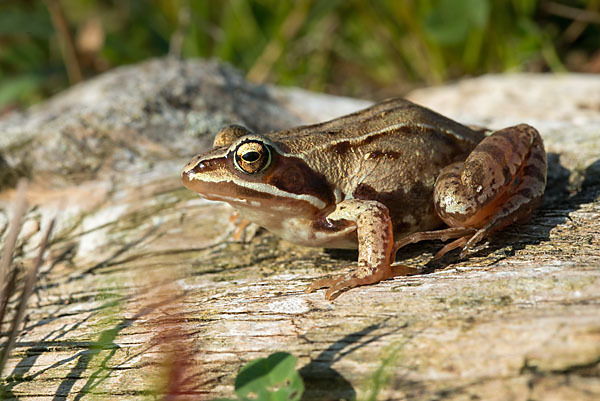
x=505, y=243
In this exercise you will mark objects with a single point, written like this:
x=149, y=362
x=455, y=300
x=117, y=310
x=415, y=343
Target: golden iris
x=252, y=157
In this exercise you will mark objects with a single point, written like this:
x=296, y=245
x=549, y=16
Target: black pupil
x=250, y=157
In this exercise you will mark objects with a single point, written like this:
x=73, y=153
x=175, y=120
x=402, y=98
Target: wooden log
x=145, y=293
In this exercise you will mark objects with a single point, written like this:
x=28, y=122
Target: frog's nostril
x=207, y=165
x=201, y=166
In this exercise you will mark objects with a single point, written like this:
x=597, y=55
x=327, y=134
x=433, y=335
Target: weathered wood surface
x=144, y=291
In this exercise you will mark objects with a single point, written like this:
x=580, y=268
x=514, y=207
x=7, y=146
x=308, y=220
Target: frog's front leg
x=501, y=182
x=375, y=242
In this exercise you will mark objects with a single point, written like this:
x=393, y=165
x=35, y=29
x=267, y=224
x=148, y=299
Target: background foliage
x=353, y=47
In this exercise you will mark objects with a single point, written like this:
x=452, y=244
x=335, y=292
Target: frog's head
x=253, y=174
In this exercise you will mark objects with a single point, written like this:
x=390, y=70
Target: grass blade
x=27, y=290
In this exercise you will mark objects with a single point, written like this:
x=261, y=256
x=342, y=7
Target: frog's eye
x=252, y=157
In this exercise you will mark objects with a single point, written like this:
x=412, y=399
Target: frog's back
x=377, y=120
x=395, y=139
x=391, y=152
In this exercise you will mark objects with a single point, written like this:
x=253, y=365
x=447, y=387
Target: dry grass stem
x=27, y=290
x=9, y=276
x=10, y=242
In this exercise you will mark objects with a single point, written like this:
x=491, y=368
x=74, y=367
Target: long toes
x=322, y=283
x=340, y=287
x=466, y=250
x=453, y=245
x=473, y=241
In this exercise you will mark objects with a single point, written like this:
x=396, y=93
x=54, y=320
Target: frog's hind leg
x=501, y=182
x=443, y=235
x=464, y=234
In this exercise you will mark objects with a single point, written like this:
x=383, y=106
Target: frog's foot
x=243, y=229
x=239, y=230
x=509, y=215
x=468, y=237
x=444, y=235
x=339, y=284
x=505, y=217
x=461, y=242
x=342, y=283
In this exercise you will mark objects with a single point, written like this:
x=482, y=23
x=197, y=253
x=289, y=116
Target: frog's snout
x=186, y=177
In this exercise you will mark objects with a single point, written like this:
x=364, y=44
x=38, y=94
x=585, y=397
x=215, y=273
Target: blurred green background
x=370, y=49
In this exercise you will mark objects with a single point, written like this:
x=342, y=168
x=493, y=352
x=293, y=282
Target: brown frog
x=376, y=179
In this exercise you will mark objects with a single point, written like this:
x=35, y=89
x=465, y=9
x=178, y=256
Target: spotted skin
x=375, y=241
x=500, y=183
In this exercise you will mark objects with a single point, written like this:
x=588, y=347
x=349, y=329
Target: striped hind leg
x=501, y=182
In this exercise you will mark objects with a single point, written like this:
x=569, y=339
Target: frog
x=378, y=179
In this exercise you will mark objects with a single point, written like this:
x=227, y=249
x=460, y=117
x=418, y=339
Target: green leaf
x=20, y=22
x=270, y=379
x=452, y=20
x=478, y=12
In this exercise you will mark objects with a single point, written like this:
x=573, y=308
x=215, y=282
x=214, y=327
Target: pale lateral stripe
x=265, y=188
x=228, y=198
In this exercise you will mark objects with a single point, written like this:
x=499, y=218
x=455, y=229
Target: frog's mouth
x=209, y=187
x=245, y=194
